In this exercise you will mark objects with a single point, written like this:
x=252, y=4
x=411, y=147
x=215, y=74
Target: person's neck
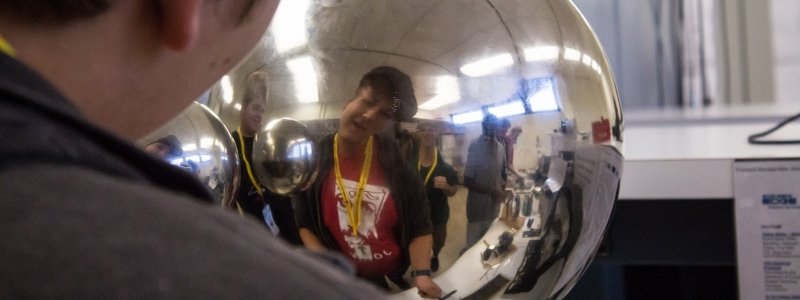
x=427, y=155
x=248, y=133
x=351, y=149
x=110, y=86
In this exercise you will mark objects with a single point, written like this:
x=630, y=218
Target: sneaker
x=435, y=263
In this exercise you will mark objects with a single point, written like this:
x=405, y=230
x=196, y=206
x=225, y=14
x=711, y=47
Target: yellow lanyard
x=430, y=172
x=6, y=48
x=353, y=216
x=247, y=164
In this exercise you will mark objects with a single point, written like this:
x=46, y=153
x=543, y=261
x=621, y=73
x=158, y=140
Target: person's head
x=254, y=103
x=141, y=62
x=502, y=126
x=427, y=134
x=165, y=147
x=384, y=94
x=489, y=125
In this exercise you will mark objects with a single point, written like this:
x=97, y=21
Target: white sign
x=768, y=228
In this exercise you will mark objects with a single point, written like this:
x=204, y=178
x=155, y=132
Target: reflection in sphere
x=197, y=142
x=283, y=156
x=535, y=63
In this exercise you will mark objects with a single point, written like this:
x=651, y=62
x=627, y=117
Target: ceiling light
x=543, y=53
x=289, y=25
x=227, y=89
x=572, y=54
x=487, y=65
x=305, y=79
x=447, y=91
x=508, y=109
x=467, y=117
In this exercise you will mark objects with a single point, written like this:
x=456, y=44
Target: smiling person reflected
x=273, y=210
x=366, y=201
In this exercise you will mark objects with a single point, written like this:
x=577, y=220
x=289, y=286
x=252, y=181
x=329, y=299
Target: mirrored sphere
x=199, y=143
x=536, y=63
x=283, y=155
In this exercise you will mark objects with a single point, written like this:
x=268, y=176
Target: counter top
x=689, y=154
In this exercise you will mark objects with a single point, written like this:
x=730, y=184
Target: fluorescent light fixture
x=227, y=89
x=487, y=65
x=572, y=54
x=289, y=25
x=544, y=97
x=596, y=67
x=543, y=53
x=471, y=116
x=508, y=109
x=305, y=79
x=447, y=91
x=586, y=59
x=206, y=142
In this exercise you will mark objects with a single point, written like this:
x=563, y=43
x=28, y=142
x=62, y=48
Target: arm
x=450, y=190
x=514, y=171
x=451, y=179
x=440, y=182
x=310, y=240
x=420, y=253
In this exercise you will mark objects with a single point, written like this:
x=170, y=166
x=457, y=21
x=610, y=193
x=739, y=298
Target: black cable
x=754, y=138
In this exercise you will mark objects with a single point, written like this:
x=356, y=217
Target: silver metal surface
x=538, y=57
x=200, y=144
x=283, y=156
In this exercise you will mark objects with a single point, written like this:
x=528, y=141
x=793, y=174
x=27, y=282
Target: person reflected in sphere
x=509, y=139
x=366, y=202
x=440, y=181
x=273, y=210
x=165, y=148
x=483, y=176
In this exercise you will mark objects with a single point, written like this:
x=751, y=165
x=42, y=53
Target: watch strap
x=416, y=273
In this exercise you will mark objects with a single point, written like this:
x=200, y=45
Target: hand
x=426, y=288
x=440, y=182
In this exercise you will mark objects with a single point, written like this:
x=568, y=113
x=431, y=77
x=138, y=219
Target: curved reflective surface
x=198, y=142
x=283, y=153
x=535, y=63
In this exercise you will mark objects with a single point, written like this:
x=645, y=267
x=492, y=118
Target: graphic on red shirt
x=375, y=250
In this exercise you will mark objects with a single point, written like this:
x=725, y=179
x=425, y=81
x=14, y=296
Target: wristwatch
x=416, y=273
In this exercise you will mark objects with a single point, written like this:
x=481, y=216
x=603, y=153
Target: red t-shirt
x=379, y=251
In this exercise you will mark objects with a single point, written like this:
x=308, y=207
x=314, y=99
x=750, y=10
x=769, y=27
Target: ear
x=180, y=23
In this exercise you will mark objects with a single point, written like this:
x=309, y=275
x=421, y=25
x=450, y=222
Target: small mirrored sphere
x=535, y=65
x=199, y=143
x=283, y=155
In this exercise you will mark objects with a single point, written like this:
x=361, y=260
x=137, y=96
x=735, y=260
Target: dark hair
x=172, y=142
x=53, y=12
x=393, y=84
x=59, y=12
x=489, y=124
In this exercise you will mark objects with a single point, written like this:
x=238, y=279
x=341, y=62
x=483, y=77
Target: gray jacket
x=87, y=215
